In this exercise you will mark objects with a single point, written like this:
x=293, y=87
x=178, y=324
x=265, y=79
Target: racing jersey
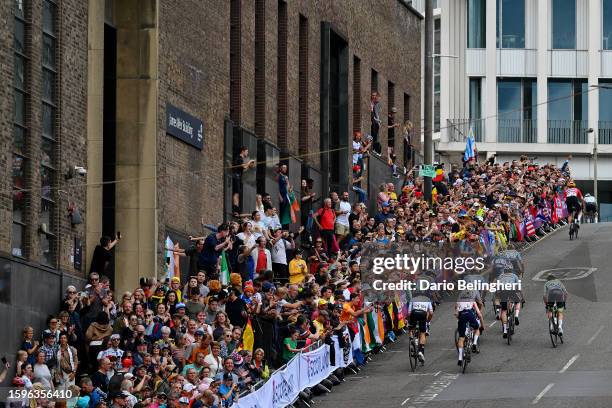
x=572, y=192
x=554, y=285
x=463, y=306
x=508, y=277
x=420, y=303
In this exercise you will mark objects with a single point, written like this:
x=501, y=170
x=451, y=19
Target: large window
x=475, y=123
x=564, y=24
x=516, y=110
x=606, y=27
x=19, y=133
x=476, y=23
x=605, y=115
x=49, y=138
x=567, y=111
x=510, y=23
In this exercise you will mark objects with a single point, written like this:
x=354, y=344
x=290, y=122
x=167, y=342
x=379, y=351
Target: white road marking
x=493, y=324
x=595, y=335
x=541, y=394
x=569, y=363
x=405, y=401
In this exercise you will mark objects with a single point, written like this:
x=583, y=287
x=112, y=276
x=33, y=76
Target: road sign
x=427, y=170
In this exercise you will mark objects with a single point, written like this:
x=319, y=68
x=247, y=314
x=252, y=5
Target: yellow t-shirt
x=297, y=271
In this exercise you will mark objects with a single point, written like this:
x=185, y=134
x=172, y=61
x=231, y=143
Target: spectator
x=68, y=363
x=375, y=109
x=42, y=373
x=214, y=360
x=325, y=218
x=240, y=164
x=214, y=244
x=297, y=268
x=100, y=378
x=290, y=345
x=281, y=242
x=262, y=258
x=102, y=255
x=29, y=345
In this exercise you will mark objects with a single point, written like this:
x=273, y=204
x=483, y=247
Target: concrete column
x=490, y=106
x=95, y=99
x=137, y=106
x=543, y=34
x=594, y=28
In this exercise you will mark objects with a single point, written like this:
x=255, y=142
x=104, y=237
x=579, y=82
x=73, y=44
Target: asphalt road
x=528, y=373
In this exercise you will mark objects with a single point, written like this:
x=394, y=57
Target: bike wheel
x=457, y=339
x=510, y=327
x=413, y=355
x=467, y=350
x=552, y=330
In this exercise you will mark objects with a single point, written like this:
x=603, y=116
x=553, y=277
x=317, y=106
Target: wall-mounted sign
x=185, y=127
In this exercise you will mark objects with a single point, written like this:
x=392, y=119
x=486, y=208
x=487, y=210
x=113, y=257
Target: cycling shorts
x=505, y=296
x=591, y=207
x=573, y=204
x=560, y=306
x=418, y=317
x=467, y=317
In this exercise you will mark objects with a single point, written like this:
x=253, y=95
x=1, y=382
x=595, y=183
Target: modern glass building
x=528, y=76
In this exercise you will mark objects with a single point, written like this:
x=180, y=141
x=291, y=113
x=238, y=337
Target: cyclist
x=573, y=200
x=467, y=312
x=505, y=296
x=555, y=292
x=590, y=203
x=499, y=264
x=420, y=312
x=515, y=259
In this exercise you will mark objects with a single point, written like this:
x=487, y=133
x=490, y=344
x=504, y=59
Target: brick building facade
x=250, y=70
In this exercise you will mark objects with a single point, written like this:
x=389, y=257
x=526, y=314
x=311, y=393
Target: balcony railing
x=605, y=132
x=517, y=131
x=459, y=129
x=567, y=131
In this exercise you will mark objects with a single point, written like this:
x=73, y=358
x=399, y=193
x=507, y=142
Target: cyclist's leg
x=504, y=317
x=461, y=326
x=560, y=310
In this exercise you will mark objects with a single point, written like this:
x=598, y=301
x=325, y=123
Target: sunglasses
x=72, y=292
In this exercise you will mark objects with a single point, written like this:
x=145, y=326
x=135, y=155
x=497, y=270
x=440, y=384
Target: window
x=510, y=23
x=356, y=94
x=436, y=81
x=567, y=111
x=476, y=108
x=374, y=80
x=605, y=115
x=19, y=133
x=476, y=23
x=516, y=108
x=564, y=24
x=48, y=161
x=606, y=11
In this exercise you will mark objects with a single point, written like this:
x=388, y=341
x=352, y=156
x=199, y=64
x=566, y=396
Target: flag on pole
x=248, y=337
x=470, y=147
x=529, y=228
x=225, y=269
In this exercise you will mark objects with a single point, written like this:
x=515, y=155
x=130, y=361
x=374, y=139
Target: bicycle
x=414, y=348
x=574, y=226
x=467, y=347
x=553, y=327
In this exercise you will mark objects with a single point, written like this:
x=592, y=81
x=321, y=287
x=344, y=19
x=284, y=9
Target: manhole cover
x=565, y=274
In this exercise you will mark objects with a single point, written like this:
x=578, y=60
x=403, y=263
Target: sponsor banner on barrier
x=281, y=389
x=343, y=356
x=314, y=367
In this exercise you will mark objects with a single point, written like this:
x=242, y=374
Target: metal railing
x=459, y=129
x=567, y=131
x=517, y=131
x=605, y=132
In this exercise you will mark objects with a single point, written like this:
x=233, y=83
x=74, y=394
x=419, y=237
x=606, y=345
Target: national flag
x=380, y=327
x=519, y=232
x=470, y=147
x=529, y=228
x=225, y=269
x=248, y=337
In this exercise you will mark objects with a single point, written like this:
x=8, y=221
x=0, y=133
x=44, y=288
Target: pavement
x=529, y=372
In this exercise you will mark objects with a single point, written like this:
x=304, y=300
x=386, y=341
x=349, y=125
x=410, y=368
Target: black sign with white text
x=185, y=127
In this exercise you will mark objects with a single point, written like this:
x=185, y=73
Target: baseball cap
x=115, y=336
x=47, y=334
x=180, y=306
x=227, y=376
x=183, y=400
x=188, y=387
x=200, y=332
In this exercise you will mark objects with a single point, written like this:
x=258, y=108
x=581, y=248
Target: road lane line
x=405, y=401
x=493, y=324
x=569, y=363
x=595, y=335
x=541, y=394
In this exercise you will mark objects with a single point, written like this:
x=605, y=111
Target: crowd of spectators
x=200, y=341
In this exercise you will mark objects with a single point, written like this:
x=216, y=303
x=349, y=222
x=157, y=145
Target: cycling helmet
x=587, y=195
x=571, y=184
x=550, y=277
